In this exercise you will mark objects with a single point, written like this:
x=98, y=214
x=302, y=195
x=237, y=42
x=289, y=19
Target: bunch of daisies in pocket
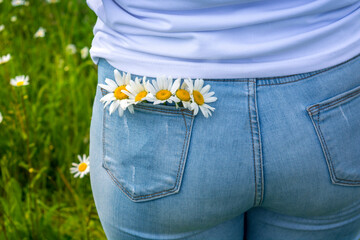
x=124, y=93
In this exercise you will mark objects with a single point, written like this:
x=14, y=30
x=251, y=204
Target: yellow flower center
x=120, y=95
x=163, y=94
x=140, y=95
x=20, y=83
x=183, y=95
x=82, y=167
x=198, y=97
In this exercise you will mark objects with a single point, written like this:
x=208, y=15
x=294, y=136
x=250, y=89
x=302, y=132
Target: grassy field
x=46, y=123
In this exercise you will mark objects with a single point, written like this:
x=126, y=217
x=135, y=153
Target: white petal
x=205, y=89
x=210, y=99
x=151, y=88
x=208, y=94
x=108, y=97
x=189, y=83
x=121, y=112
x=158, y=101
x=169, y=83
x=113, y=106
x=13, y=82
x=155, y=85
x=160, y=83
x=195, y=107
x=204, y=111
x=124, y=104
x=106, y=87
x=187, y=105
x=118, y=78
x=175, y=86
x=111, y=83
x=184, y=85
x=208, y=107
x=127, y=78
x=131, y=109
x=128, y=93
x=172, y=98
x=107, y=103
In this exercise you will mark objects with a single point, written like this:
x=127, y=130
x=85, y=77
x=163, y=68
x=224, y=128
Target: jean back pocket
x=337, y=124
x=145, y=152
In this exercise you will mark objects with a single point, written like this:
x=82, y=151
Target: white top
x=225, y=38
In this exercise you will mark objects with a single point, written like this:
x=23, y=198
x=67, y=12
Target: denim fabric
x=278, y=159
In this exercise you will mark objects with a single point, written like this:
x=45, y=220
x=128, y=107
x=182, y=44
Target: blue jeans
x=278, y=159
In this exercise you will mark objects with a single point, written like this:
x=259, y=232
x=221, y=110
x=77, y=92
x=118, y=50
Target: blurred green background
x=46, y=123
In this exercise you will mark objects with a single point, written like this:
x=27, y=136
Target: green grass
x=46, y=124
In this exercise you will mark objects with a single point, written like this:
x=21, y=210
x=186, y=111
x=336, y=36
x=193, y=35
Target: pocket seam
x=156, y=108
x=334, y=178
x=180, y=170
x=316, y=110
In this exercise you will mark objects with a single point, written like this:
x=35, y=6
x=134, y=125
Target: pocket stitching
x=328, y=158
x=155, y=108
x=170, y=111
x=181, y=164
x=315, y=110
x=317, y=107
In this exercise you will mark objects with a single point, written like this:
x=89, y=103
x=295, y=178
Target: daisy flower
x=116, y=97
x=84, y=52
x=136, y=91
x=81, y=168
x=2, y=27
x=40, y=33
x=20, y=81
x=162, y=90
x=16, y=3
x=1, y=117
x=183, y=94
x=71, y=48
x=5, y=58
x=200, y=96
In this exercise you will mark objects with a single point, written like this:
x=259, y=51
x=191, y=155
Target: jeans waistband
x=289, y=78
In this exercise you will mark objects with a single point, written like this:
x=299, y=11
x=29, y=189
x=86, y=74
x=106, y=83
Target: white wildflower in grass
x=82, y=168
x=84, y=52
x=52, y=1
x=5, y=58
x=200, y=96
x=183, y=95
x=13, y=18
x=162, y=90
x=16, y=3
x=20, y=81
x=116, y=97
x=2, y=27
x=1, y=1
x=136, y=91
x=1, y=117
x=71, y=49
x=40, y=33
